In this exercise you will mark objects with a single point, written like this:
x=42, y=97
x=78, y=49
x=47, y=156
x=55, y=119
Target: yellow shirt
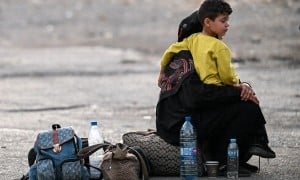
x=212, y=58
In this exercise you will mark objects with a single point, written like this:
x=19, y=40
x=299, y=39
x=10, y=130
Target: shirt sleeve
x=173, y=49
x=226, y=69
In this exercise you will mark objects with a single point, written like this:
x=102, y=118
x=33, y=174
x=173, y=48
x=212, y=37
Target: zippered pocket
x=45, y=170
x=71, y=170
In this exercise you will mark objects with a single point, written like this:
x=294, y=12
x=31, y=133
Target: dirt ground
x=58, y=57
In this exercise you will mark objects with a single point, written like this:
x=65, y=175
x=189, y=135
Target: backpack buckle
x=56, y=148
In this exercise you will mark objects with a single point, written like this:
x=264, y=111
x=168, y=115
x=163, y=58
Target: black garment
x=189, y=25
x=218, y=114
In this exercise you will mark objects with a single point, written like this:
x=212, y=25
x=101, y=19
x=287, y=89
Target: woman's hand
x=247, y=93
x=160, y=78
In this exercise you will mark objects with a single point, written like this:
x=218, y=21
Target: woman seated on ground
x=219, y=112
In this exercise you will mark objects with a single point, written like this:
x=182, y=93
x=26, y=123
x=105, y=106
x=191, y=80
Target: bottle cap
x=93, y=123
x=233, y=140
x=187, y=118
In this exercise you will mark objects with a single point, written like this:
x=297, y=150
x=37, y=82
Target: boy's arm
x=226, y=70
x=229, y=76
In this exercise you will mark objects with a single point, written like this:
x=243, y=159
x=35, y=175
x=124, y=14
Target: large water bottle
x=95, y=137
x=233, y=160
x=188, y=151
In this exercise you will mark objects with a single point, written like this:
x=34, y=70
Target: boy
x=212, y=58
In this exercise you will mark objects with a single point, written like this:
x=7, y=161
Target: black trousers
x=217, y=113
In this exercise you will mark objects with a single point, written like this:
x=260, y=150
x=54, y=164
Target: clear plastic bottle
x=233, y=160
x=95, y=137
x=188, y=151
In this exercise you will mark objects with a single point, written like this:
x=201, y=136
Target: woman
x=218, y=112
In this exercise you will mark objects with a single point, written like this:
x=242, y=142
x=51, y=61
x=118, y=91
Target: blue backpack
x=56, y=156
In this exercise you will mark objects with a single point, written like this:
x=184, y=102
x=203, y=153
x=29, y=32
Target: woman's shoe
x=263, y=151
x=249, y=167
x=243, y=172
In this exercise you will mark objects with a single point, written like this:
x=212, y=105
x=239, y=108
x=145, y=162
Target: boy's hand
x=247, y=93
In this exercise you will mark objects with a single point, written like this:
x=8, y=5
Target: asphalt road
x=59, y=59
x=42, y=86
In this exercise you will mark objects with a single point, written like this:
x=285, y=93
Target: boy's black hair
x=212, y=8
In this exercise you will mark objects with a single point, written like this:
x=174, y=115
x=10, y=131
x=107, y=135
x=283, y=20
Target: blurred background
x=260, y=29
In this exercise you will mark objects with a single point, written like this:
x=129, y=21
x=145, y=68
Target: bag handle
x=145, y=133
x=87, y=151
x=145, y=172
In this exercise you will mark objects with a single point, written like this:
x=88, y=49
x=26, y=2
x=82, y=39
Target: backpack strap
x=56, y=145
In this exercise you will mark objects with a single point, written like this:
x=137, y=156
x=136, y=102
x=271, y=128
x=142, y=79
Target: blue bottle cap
x=93, y=123
x=233, y=140
x=187, y=118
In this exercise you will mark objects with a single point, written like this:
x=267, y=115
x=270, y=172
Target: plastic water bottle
x=95, y=137
x=188, y=151
x=233, y=160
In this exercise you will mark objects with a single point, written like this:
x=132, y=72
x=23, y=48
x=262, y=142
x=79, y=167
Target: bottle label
x=232, y=153
x=188, y=164
x=188, y=151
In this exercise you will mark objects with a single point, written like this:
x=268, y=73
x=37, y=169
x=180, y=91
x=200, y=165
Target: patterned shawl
x=179, y=68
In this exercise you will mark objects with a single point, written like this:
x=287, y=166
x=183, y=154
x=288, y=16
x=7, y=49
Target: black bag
x=163, y=157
